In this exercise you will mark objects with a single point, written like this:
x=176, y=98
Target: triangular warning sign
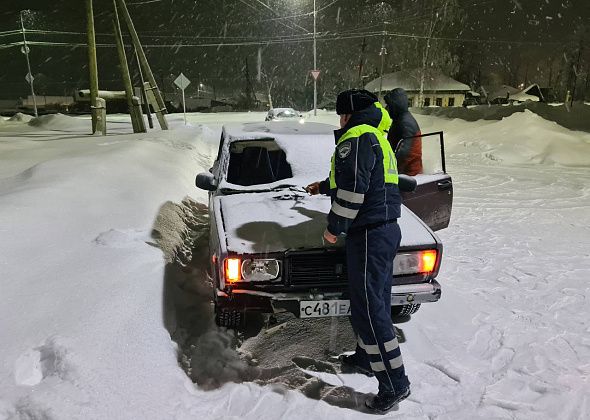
x=315, y=74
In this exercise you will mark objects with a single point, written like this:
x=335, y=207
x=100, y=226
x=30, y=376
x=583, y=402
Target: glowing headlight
x=414, y=262
x=260, y=270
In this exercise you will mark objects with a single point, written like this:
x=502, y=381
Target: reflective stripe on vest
x=389, y=160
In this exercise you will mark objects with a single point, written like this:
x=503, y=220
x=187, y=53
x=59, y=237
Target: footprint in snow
x=115, y=238
x=40, y=362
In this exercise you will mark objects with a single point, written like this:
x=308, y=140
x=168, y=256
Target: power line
x=300, y=39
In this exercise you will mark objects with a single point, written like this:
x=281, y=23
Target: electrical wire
x=298, y=39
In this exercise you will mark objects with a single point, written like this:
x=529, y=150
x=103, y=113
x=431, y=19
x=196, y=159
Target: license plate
x=322, y=308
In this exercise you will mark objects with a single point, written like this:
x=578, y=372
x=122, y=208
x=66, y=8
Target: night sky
x=481, y=42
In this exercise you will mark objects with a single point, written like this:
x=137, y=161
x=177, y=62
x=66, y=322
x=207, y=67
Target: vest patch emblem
x=344, y=150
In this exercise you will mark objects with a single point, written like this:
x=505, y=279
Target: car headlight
x=260, y=269
x=414, y=262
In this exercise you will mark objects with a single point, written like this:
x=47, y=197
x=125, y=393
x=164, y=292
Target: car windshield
x=287, y=113
x=257, y=162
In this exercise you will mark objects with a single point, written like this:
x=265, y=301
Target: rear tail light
x=232, y=269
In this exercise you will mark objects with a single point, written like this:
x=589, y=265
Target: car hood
x=285, y=220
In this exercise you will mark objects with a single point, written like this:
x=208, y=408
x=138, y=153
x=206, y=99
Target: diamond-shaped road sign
x=182, y=81
x=29, y=78
x=315, y=74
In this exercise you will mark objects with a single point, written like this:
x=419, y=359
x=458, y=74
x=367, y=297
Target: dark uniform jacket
x=362, y=198
x=404, y=126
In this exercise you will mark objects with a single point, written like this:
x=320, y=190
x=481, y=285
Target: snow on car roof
x=265, y=130
x=280, y=109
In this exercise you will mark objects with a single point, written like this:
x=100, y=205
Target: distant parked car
x=266, y=248
x=283, y=114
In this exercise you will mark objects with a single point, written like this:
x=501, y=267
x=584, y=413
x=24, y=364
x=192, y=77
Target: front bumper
x=258, y=301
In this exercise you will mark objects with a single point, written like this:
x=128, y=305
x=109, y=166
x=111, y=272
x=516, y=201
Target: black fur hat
x=354, y=100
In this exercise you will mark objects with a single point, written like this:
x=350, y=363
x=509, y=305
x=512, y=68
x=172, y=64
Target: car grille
x=327, y=269
x=321, y=269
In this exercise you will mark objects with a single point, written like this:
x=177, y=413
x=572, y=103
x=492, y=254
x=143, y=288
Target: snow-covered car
x=266, y=247
x=283, y=114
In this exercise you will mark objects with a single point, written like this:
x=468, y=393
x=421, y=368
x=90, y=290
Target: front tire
x=404, y=310
x=229, y=318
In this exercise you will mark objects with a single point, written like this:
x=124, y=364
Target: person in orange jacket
x=404, y=126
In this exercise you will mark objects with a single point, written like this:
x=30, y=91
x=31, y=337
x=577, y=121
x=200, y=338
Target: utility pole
x=132, y=103
x=144, y=100
x=92, y=65
x=315, y=62
x=25, y=50
x=154, y=90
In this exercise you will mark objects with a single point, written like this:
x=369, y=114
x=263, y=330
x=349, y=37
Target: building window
x=451, y=102
x=410, y=102
x=426, y=101
x=438, y=101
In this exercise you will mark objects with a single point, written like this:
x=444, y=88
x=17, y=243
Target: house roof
x=410, y=81
x=512, y=93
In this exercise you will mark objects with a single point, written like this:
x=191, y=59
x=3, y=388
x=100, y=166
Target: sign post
x=315, y=74
x=182, y=82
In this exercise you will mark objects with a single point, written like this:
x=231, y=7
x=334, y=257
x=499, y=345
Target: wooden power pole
x=153, y=92
x=93, y=68
x=133, y=103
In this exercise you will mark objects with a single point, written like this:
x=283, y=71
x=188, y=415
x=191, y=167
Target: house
x=48, y=103
x=438, y=90
x=510, y=95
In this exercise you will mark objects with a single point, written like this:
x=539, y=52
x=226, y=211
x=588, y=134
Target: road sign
x=25, y=49
x=29, y=78
x=182, y=81
x=315, y=74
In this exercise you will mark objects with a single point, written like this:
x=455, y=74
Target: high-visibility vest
x=389, y=160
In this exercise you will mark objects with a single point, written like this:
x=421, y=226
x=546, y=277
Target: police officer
x=365, y=206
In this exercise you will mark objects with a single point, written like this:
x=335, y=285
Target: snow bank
x=81, y=313
x=20, y=117
x=59, y=122
x=522, y=138
x=576, y=118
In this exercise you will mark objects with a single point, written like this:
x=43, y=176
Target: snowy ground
x=85, y=319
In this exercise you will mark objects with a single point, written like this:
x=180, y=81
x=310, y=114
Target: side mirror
x=407, y=183
x=206, y=181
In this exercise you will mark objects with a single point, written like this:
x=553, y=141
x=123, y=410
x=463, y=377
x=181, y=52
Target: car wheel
x=404, y=310
x=229, y=318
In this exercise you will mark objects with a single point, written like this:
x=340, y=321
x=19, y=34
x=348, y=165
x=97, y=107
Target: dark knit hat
x=354, y=100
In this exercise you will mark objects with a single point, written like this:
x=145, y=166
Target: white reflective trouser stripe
x=350, y=196
x=391, y=345
x=377, y=366
x=395, y=363
x=369, y=348
x=343, y=211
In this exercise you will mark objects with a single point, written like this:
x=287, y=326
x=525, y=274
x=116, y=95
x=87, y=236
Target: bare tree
x=442, y=13
x=270, y=80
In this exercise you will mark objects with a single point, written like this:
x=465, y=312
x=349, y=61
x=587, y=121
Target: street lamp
x=25, y=50
x=315, y=63
x=382, y=53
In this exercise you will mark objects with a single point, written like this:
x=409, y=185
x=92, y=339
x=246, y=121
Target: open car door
x=432, y=200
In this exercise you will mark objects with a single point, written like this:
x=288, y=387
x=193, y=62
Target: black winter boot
x=351, y=364
x=385, y=401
